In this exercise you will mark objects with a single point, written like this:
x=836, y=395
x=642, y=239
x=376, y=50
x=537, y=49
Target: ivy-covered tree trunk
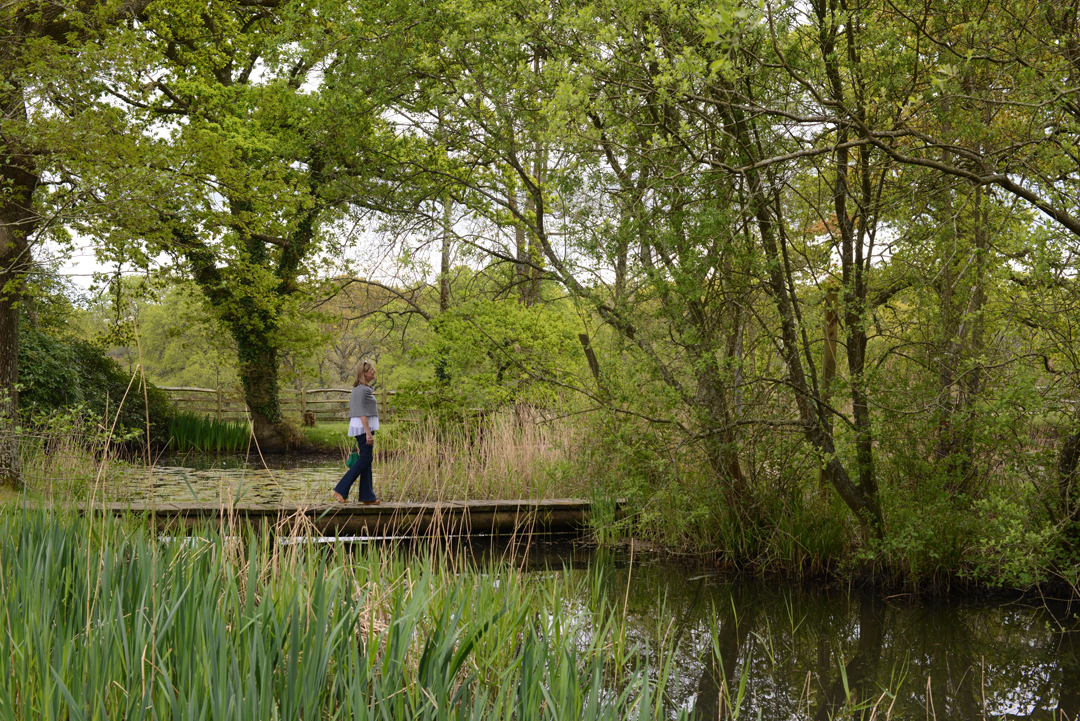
x=251, y=317
x=258, y=371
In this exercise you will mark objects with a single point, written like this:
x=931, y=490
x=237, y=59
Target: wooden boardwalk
x=454, y=518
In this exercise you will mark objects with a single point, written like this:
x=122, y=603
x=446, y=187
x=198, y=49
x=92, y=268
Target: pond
x=799, y=653
x=233, y=479
x=787, y=652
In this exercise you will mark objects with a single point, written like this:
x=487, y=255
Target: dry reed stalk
x=500, y=457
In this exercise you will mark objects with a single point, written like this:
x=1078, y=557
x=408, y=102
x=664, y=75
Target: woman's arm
x=370, y=393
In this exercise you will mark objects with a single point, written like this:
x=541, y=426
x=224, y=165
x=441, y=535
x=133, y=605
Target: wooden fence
x=319, y=404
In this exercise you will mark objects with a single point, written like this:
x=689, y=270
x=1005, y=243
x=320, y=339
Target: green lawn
x=11, y=496
x=334, y=436
x=331, y=436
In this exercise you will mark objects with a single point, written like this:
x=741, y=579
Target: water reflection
x=803, y=654
x=810, y=654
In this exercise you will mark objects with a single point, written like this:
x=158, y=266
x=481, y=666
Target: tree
x=53, y=59
x=991, y=99
x=630, y=124
x=258, y=159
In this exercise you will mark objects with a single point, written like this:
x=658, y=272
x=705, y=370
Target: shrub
x=57, y=372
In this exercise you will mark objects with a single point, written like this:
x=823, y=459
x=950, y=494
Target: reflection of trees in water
x=793, y=644
x=719, y=679
x=855, y=686
x=1064, y=644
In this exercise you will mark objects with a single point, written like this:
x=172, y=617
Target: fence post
x=386, y=403
x=219, y=403
x=303, y=403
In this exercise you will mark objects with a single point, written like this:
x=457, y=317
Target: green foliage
x=58, y=372
x=485, y=354
x=189, y=432
x=178, y=343
x=1016, y=544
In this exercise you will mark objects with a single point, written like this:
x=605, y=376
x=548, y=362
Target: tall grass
x=100, y=620
x=63, y=455
x=500, y=456
x=189, y=432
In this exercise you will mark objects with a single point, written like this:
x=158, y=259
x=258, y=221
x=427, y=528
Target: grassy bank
x=103, y=620
x=327, y=437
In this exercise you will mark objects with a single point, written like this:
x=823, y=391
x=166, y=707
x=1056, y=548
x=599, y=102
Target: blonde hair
x=362, y=368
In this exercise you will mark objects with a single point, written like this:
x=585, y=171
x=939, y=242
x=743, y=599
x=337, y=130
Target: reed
x=499, y=456
x=64, y=454
x=100, y=619
x=189, y=432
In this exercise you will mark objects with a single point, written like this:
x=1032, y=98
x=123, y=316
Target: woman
x=363, y=422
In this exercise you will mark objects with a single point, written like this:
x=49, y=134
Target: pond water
x=791, y=652
x=801, y=653
x=236, y=479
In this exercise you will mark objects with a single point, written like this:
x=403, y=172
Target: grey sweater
x=362, y=402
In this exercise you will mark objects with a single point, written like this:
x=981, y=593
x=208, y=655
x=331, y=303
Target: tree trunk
x=252, y=325
x=521, y=252
x=536, y=256
x=17, y=222
x=828, y=365
x=854, y=247
x=10, y=471
x=258, y=371
x=721, y=444
x=971, y=381
x=444, y=259
x=960, y=387
x=1068, y=459
x=622, y=246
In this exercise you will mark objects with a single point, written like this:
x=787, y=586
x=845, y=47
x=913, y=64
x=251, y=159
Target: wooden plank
x=453, y=518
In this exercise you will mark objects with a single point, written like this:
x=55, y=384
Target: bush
x=57, y=372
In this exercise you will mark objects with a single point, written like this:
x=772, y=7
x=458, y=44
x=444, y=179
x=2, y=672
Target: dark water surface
x=812, y=653
x=816, y=654
x=791, y=652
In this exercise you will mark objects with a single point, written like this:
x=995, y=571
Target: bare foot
x=371, y=503
x=338, y=497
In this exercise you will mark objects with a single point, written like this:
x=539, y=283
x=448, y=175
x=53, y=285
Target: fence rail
x=316, y=404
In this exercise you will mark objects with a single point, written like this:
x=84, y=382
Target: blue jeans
x=362, y=470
